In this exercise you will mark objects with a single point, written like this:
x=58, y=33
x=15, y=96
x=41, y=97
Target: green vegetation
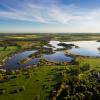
x=81, y=82
x=6, y=52
x=78, y=80
x=42, y=81
x=30, y=83
x=76, y=37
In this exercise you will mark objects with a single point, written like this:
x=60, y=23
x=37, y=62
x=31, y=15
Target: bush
x=22, y=89
x=13, y=77
x=11, y=72
x=88, y=95
x=85, y=67
x=13, y=91
x=1, y=76
x=2, y=91
x=37, y=98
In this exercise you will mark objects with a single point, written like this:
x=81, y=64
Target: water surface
x=13, y=62
x=86, y=48
x=58, y=56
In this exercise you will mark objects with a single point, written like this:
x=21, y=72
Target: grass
x=61, y=37
x=93, y=62
x=5, y=53
x=20, y=37
x=41, y=81
x=76, y=37
x=39, y=85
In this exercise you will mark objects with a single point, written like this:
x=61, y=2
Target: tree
x=1, y=76
x=85, y=67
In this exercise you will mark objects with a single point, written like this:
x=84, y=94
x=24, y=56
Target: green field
x=39, y=82
x=38, y=85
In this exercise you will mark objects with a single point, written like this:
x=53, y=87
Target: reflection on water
x=54, y=44
x=58, y=56
x=13, y=62
x=86, y=48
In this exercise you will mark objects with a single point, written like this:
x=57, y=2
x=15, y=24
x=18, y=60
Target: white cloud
x=52, y=13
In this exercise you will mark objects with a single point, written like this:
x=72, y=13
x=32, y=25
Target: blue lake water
x=58, y=57
x=86, y=48
x=13, y=62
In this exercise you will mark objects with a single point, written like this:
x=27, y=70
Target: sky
x=49, y=16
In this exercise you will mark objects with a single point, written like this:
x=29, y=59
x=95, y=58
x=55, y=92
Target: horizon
x=74, y=33
x=49, y=16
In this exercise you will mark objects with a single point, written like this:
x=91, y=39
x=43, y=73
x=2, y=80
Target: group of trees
x=76, y=85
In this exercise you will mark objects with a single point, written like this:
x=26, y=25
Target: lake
x=58, y=56
x=85, y=48
x=13, y=62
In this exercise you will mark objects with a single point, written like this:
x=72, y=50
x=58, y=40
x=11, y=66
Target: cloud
x=46, y=11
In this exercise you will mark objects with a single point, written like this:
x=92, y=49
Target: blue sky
x=49, y=16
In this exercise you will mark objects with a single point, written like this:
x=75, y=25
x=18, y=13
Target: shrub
x=1, y=76
x=85, y=67
x=13, y=77
x=11, y=72
x=13, y=91
x=22, y=89
x=88, y=95
x=37, y=98
x=2, y=91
